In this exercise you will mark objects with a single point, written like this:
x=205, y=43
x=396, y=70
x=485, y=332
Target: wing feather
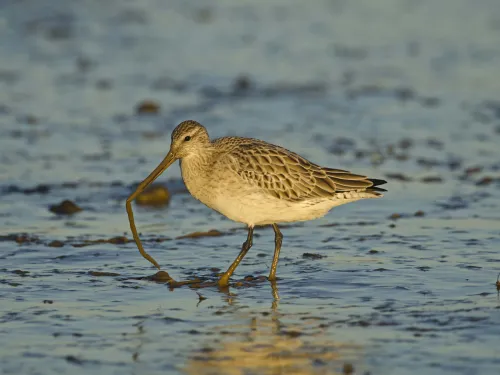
x=284, y=174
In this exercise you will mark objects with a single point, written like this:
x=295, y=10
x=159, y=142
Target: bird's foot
x=223, y=281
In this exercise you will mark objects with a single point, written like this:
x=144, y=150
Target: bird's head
x=188, y=138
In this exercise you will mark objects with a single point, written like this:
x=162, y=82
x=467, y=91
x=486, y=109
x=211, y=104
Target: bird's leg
x=224, y=280
x=278, y=237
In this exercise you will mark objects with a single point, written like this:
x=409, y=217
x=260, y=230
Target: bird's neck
x=196, y=170
x=194, y=164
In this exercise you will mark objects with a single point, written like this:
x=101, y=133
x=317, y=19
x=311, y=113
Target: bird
x=256, y=183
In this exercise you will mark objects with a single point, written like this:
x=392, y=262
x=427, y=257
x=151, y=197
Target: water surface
x=401, y=90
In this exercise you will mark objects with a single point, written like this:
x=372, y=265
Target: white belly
x=256, y=209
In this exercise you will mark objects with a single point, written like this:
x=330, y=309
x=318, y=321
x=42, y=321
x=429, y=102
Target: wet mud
x=406, y=284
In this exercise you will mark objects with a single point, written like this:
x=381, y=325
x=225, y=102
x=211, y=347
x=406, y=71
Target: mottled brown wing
x=286, y=175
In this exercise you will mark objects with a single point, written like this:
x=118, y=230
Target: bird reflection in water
x=266, y=345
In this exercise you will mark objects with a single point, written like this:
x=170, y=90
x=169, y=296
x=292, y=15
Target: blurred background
x=402, y=90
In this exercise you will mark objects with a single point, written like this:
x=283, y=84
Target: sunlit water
x=401, y=90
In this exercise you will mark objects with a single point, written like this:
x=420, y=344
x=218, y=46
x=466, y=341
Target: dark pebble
x=66, y=207
x=147, y=107
x=118, y=240
x=419, y=213
x=56, y=243
x=161, y=276
x=154, y=195
x=210, y=233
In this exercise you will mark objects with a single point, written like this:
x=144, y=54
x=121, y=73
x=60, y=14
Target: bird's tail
x=376, y=182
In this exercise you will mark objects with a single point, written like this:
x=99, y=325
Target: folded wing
x=286, y=175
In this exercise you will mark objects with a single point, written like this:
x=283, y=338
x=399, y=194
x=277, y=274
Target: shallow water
x=401, y=90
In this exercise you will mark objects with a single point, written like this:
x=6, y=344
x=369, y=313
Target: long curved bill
x=169, y=159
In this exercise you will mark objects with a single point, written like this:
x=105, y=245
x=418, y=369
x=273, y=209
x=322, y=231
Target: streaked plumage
x=258, y=183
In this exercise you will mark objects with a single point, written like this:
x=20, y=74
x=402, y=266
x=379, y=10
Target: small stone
x=118, y=240
x=395, y=216
x=210, y=233
x=419, y=213
x=161, y=276
x=154, y=195
x=147, y=107
x=56, y=243
x=66, y=207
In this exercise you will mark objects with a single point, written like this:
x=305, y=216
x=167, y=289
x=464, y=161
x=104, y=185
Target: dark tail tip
x=376, y=182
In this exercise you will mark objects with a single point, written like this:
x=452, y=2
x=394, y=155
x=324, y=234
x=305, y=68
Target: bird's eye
x=187, y=138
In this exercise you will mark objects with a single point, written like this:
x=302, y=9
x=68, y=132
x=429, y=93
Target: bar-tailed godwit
x=256, y=183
